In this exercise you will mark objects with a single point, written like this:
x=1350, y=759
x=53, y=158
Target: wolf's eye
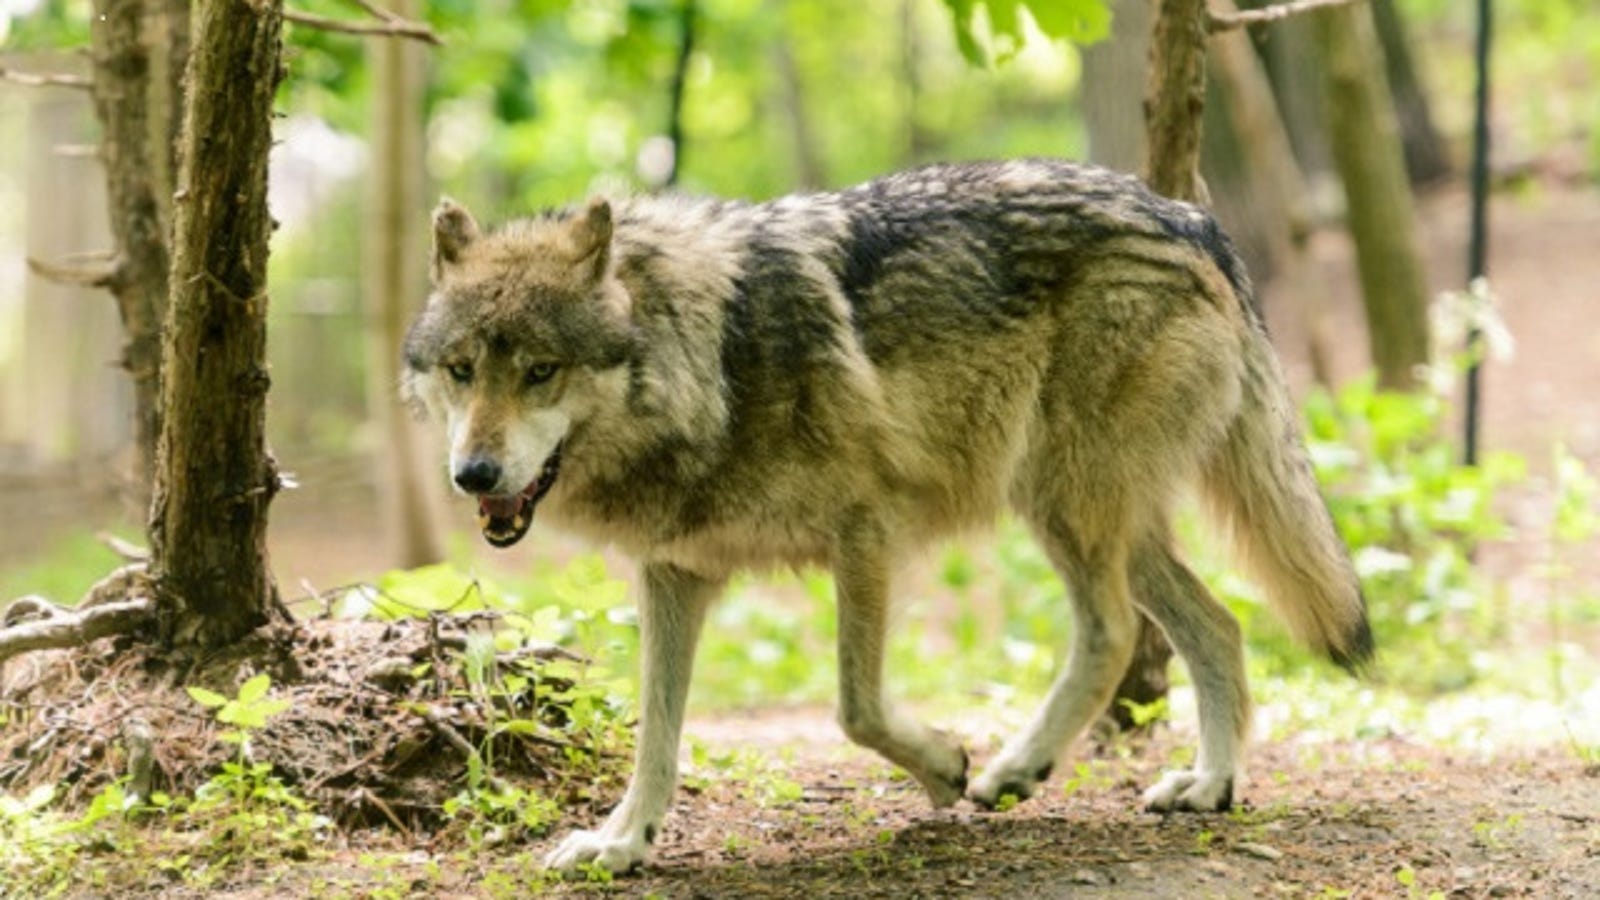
x=539, y=373
x=460, y=371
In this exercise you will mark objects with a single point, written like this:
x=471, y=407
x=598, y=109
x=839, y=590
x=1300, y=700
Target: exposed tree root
x=116, y=604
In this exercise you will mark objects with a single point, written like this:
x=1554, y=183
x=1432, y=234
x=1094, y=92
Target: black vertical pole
x=1477, y=254
x=680, y=73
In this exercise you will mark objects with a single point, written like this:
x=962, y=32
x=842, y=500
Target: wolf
x=838, y=379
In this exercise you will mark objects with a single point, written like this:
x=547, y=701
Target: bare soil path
x=1316, y=819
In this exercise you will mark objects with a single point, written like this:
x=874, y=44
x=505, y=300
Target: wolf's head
x=525, y=334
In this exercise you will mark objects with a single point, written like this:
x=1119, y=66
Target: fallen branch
x=29, y=79
x=76, y=628
x=1216, y=22
x=388, y=26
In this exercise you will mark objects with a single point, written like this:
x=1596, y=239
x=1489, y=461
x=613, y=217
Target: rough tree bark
x=215, y=477
x=1175, y=100
x=1366, y=148
x=392, y=283
x=132, y=96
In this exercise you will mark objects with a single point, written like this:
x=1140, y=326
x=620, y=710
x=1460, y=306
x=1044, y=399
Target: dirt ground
x=1371, y=819
x=1314, y=818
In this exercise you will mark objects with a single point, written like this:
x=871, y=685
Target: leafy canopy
x=1079, y=21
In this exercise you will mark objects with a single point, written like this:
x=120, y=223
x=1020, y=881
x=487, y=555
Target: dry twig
x=389, y=25
x=462, y=745
x=1229, y=21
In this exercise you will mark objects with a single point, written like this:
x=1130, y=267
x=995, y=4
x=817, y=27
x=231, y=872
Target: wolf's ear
x=591, y=237
x=453, y=230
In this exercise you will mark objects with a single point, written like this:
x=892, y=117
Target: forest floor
x=1384, y=817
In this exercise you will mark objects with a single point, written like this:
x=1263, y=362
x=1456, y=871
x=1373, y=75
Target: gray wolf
x=837, y=379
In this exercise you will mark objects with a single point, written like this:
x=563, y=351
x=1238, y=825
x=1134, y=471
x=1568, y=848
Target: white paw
x=1004, y=777
x=1190, y=791
x=947, y=785
x=610, y=852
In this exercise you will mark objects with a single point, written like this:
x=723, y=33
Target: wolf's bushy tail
x=1262, y=486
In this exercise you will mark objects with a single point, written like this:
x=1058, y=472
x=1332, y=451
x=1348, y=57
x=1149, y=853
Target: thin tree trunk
x=808, y=165
x=1175, y=100
x=1367, y=151
x=214, y=477
x=127, y=72
x=1114, y=72
x=680, y=77
x=1283, y=198
x=393, y=282
x=1174, y=104
x=1427, y=157
x=919, y=143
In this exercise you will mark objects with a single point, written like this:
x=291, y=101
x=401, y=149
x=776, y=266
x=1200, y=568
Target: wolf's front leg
x=670, y=615
x=861, y=573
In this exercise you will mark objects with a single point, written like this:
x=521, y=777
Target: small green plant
x=247, y=809
x=1492, y=832
x=1091, y=775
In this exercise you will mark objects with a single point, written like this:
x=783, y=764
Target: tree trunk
x=128, y=74
x=393, y=282
x=1175, y=100
x=1282, y=197
x=1174, y=103
x=214, y=477
x=680, y=79
x=1427, y=157
x=1113, y=88
x=1367, y=151
x=808, y=168
x=920, y=145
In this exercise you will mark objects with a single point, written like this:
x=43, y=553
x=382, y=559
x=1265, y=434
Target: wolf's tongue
x=500, y=506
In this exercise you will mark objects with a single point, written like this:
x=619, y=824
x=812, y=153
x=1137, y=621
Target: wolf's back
x=1261, y=484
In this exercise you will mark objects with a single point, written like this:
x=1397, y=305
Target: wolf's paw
x=614, y=853
x=1190, y=791
x=1001, y=780
x=946, y=785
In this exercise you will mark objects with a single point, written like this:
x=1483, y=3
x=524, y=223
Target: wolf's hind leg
x=670, y=615
x=1207, y=636
x=861, y=573
x=1104, y=628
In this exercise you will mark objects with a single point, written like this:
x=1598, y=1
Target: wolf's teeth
x=483, y=522
x=520, y=522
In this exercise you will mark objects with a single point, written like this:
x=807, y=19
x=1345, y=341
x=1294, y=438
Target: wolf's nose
x=478, y=475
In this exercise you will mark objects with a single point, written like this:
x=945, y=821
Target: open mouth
x=505, y=518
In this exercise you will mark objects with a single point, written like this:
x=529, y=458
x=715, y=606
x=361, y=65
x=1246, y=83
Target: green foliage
x=243, y=814
x=999, y=33
x=1414, y=517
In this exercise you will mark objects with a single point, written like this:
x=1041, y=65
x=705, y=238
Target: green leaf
x=255, y=688
x=208, y=699
x=1079, y=21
